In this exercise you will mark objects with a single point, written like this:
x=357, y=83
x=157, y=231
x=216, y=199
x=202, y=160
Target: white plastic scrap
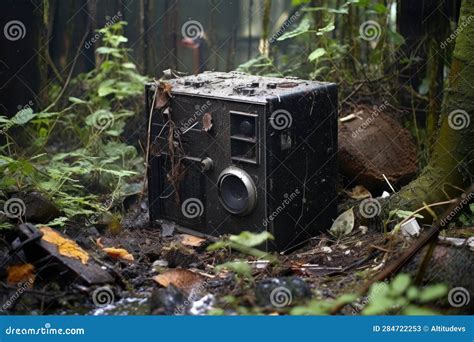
x=411, y=228
x=326, y=249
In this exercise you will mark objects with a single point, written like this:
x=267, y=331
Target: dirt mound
x=372, y=145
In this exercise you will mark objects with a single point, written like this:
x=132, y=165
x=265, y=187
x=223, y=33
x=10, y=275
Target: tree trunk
x=451, y=164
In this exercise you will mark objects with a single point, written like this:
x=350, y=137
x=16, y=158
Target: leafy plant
x=322, y=307
x=326, y=43
x=241, y=268
x=401, y=297
x=245, y=243
x=75, y=155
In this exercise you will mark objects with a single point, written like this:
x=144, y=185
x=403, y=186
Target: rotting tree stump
x=372, y=145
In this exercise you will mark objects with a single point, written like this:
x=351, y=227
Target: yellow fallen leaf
x=66, y=247
x=181, y=278
x=20, y=274
x=359, y=192
x=191, y=240
x=118, y=253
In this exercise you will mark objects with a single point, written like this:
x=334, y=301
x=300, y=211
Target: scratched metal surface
x=240, y=86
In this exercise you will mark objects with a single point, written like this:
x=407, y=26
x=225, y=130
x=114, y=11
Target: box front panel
x=197, y=143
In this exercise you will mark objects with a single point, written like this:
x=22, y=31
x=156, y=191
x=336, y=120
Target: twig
x=425, y=207
x=148, y=142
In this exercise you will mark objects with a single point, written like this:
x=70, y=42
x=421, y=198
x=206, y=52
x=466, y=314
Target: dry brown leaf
x=20, y=274
x=207, y=122
x=118, y=253
x=163, y=95
x=181, y=278
x=359, y=192
x=66, y=247
x=191, y=240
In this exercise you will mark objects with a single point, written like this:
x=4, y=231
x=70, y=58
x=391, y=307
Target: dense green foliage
x=342, y=44
x=74, y=154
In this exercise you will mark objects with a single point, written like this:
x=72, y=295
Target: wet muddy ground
x=174, y=273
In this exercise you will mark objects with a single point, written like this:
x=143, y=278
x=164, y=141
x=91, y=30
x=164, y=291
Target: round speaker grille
x=237, y=191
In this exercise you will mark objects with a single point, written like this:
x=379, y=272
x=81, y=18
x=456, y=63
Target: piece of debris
x=71, y=258
x=359, y=192
x=348, y=118
x=363, y=229
x=343, y=224
x=167, y=229
x=207, y=122
x=163, y=94
x=118, y=253
x=458, y=242
x=115, y=253
x=376, y=145
x=183, y=279
x=20, y=274
x=411, y=228
x=160, y=263
x=314, y=269
x=191, y=240
x=66, y=247
x=259, y=264
x=202, y=306
x=326, y=249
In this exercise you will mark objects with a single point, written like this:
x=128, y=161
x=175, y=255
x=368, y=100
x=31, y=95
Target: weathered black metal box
x=233, y=152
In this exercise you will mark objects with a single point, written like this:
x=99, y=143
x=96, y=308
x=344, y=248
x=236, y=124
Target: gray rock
x=282, y=292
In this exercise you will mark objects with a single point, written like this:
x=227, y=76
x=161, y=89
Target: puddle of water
x=128, y=306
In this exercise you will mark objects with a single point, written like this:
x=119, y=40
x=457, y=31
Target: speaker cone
x=237, y=191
